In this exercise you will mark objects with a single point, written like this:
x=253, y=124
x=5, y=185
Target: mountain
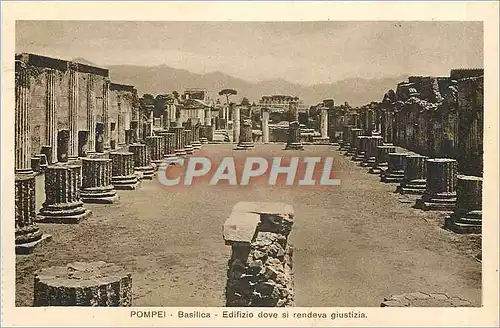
x=165, y=79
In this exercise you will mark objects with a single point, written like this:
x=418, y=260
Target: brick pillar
x=62, y=195
x=293, y=142
x=51, y=118
x=96, y=182
x=91, y=112
x=156, y=147
x=73, y=104
x=236, y=123
x=179, y=140
x=360, y=149
x=382, y=159
x=395, y=171
x=354, y=133
x=441, y=180
x=142, y=161
x=415, y=167
x=28, y=234
x=468, y=214
x=246, y=140
x=196, y=137
x=265, y=125
x=371, y=150
x=188, y=139
x=122, y=171
x=22, y=141
x=83, y=284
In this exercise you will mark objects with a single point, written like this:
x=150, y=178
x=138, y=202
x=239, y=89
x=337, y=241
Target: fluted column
x=51, y=118
x=73, y=110
x=324, y=123
x=396, y=170
x=265, y=125
x=142, y=161
x=246, y=140
x=441, y=181
x=354, y=133
x=122, y=171
x=293, y=142
x=382, y=159
x=415, y=167
x=22, y=122
x=372, y=143
x=156, y=147
x=236, y=123
x=105, y=113
x=96, y=181
x=196, y=137
x=91, y=114
x=468, y=214
x=179, y=140
x=63, y=203
x=188, y=139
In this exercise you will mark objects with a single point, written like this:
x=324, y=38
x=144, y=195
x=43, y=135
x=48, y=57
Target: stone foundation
x=468, y=214
x=83, y=284
x=419, y=299
x=415, y=173
x=142, y=161
x=260, y=268
x=96, y=183
x=441, y=180
x=122, y=171
x=62, y=196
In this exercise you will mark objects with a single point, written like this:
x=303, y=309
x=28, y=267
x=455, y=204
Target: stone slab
x=27, y=248
x=240, y=227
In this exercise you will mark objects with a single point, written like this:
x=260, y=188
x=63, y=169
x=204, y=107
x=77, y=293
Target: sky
x=300, y=52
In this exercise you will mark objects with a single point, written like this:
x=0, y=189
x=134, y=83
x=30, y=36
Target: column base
x=294, y=146
x=437, y=202
x=358, y=157
x=127, y=182
x=368, y=162
x=180, y=152
x=146, y=171
x=189, y=149
x=27, y=248
x=392, y=177
x=378, y=169
x=102, y=195
x=245, y=146
x=413, y=187
x=350, y=152
x=203, y=141
x=470, y=222
x=63, y=213
x=196, y=146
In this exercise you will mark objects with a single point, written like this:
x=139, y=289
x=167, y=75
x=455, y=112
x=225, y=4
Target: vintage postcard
x=249, y=164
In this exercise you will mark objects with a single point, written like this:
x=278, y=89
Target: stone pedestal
x=359, y=155
x=122, y=171
x=179, y=140
x=372, y=144
x=83, y=284
x=196, y=137
x=468, y=214
x=156, y=146
x=354, y=133
x=246, y=140
x=96, y=181
x=441, y=181
x=188, y=139
x=142, y=162
x=293, y=142
x=382, y=159
x=28, y=234
x=395, y=171
x=415, y=173
x=62, y=196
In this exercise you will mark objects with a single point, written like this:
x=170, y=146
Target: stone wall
x=260, y=268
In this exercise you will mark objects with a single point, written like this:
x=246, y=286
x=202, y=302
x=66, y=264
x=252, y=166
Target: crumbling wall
x=260, y=268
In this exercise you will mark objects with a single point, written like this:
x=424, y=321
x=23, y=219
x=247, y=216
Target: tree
x=175, y=94
x=227, y=93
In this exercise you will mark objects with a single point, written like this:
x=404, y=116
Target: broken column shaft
x=359, y=155
x=415, y=167
x=371, y=150
x=196, y=137
x=353, y=141
x=156, y=146
x=246, y=140
x=179, y=140
x=188, y=139
x=382, y=159
x=122, y=171
x=142, y=161
x=293, y=142
x=440, y=193
x=395, y=171
x=468, y=214
x=96, y=182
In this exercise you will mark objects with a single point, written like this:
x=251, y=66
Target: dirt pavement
x=354, y=243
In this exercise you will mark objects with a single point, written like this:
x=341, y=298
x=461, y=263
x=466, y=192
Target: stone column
x=396, y=170
x=63, y=145
x=468, y=214
x=122, y=171
x=62, y=195
x=324, y=123
x=22, y=121
x=236, y=123
x=83, y=284
x=208, y=117
x=354, y=133
x=344, y=141
x=204, y=134
x=196, y=137
x=142, y=161
x=179, y=140
x=91, y=114
x=73, y=105
x=265, y=125
x=415, y=174
x=96, y=182
x=83, y=141
x=48, y=151
x=169, y=145
x=51, y=117
x=105, y=114
x=156, y=148
x=441, y=181
x=372, y=143
x=246, y=140
x=149, y=109
x=382, y=159
x=28, y=234
x=360, y=149
x=293, y=142
x=188, y=139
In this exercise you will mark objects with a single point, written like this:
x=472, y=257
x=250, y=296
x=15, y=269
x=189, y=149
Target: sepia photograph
x=248, y=164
